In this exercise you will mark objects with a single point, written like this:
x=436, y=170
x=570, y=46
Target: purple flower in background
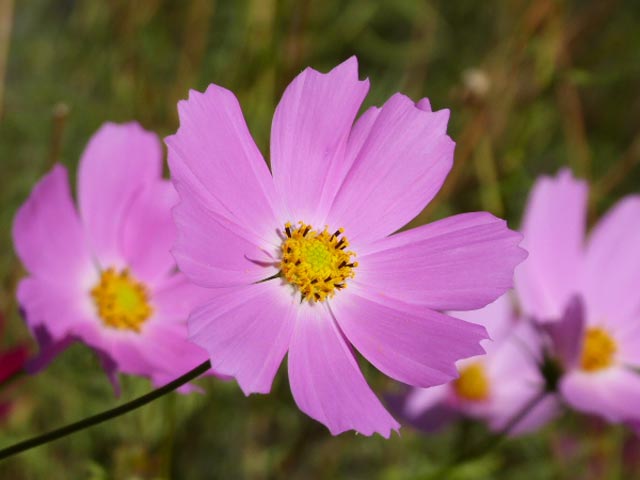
x=493, y=388
x=302, y=260
x=104, y=274
x=586, y=293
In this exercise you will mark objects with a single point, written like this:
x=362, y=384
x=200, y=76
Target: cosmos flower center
x=473, y=383
x=121, y=301
x=317, y=263
x=598, y=350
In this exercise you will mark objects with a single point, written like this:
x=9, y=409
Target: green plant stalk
x=104, y=416
x=494, y=441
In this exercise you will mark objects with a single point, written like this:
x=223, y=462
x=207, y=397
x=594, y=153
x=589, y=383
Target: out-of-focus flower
x=12, y=361
x=104, y=275
x=273, y=246
x=494, y=388
x=597, y=334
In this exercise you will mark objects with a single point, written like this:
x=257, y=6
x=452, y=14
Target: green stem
x=104, y=416
x=495, y=440
x=518, y=417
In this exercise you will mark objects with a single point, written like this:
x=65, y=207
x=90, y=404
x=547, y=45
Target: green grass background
x=532, y=86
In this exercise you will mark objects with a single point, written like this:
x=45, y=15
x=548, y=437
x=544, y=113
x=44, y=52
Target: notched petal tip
x=424, y=104
x=383, y=432
x=345, y=71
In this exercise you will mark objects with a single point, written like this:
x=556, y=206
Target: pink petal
x=553, y=228
x=246, y=331
x=214, y=158
x=424, y=104
x=498, y=318
x=511, y=404
x=426, y=409
x=414, y=345
x=627, y=339
x=124, y=348
x=166, y=344
x=397, y=171
x=176, y=298
x=309, y=134
x=515, y=379
x=359, y=134
x=325, y=379
x=171, y=353
x=149, y=232
x=213, y=252
x=516, y=356
x=420, y=400
x=51, y=305
x=612, y=272
x=57, y=316
x=118, y=161
x=613, y=393
x=47, y=234
x=459, y=263
x=567, y=333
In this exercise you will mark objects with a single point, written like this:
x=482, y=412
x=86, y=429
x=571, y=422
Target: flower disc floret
x=472, y=384
x=121, y=301
x=598, y=350
x=316, y=263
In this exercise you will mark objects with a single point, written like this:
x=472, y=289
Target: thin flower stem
x=518, y=417
x=493, y=441
x=104, y=416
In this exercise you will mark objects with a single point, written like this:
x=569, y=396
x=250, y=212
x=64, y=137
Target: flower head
x=302, y=260
x=104, y=274
x=493, y=388
x=584, y=292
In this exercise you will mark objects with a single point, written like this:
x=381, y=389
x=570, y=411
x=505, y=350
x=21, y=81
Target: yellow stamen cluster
x=473, y=383
x=598, y=350
x=317, y=263
x=121, y=301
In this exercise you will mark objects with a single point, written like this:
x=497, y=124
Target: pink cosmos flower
x=493, y=388
x=302, y=260
x=104, y=274
x=597, y=334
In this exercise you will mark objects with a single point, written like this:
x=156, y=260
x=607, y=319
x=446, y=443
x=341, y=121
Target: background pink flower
x=104, y=274
x=301, y=260
x=493, y=388
x=598, y=334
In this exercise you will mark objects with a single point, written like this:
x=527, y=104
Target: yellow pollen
x=121, y=301
x=598, y=350
x=317, y=263
x=472, y=384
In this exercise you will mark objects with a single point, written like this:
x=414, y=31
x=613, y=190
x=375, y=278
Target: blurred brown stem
x=6, y=24
x=59, y=120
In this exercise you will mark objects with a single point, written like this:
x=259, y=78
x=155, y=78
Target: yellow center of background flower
x=472, y=384
x=317, y=263
x=121, y=301
x=598, y=350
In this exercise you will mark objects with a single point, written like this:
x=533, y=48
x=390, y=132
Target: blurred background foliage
x=532, y=86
